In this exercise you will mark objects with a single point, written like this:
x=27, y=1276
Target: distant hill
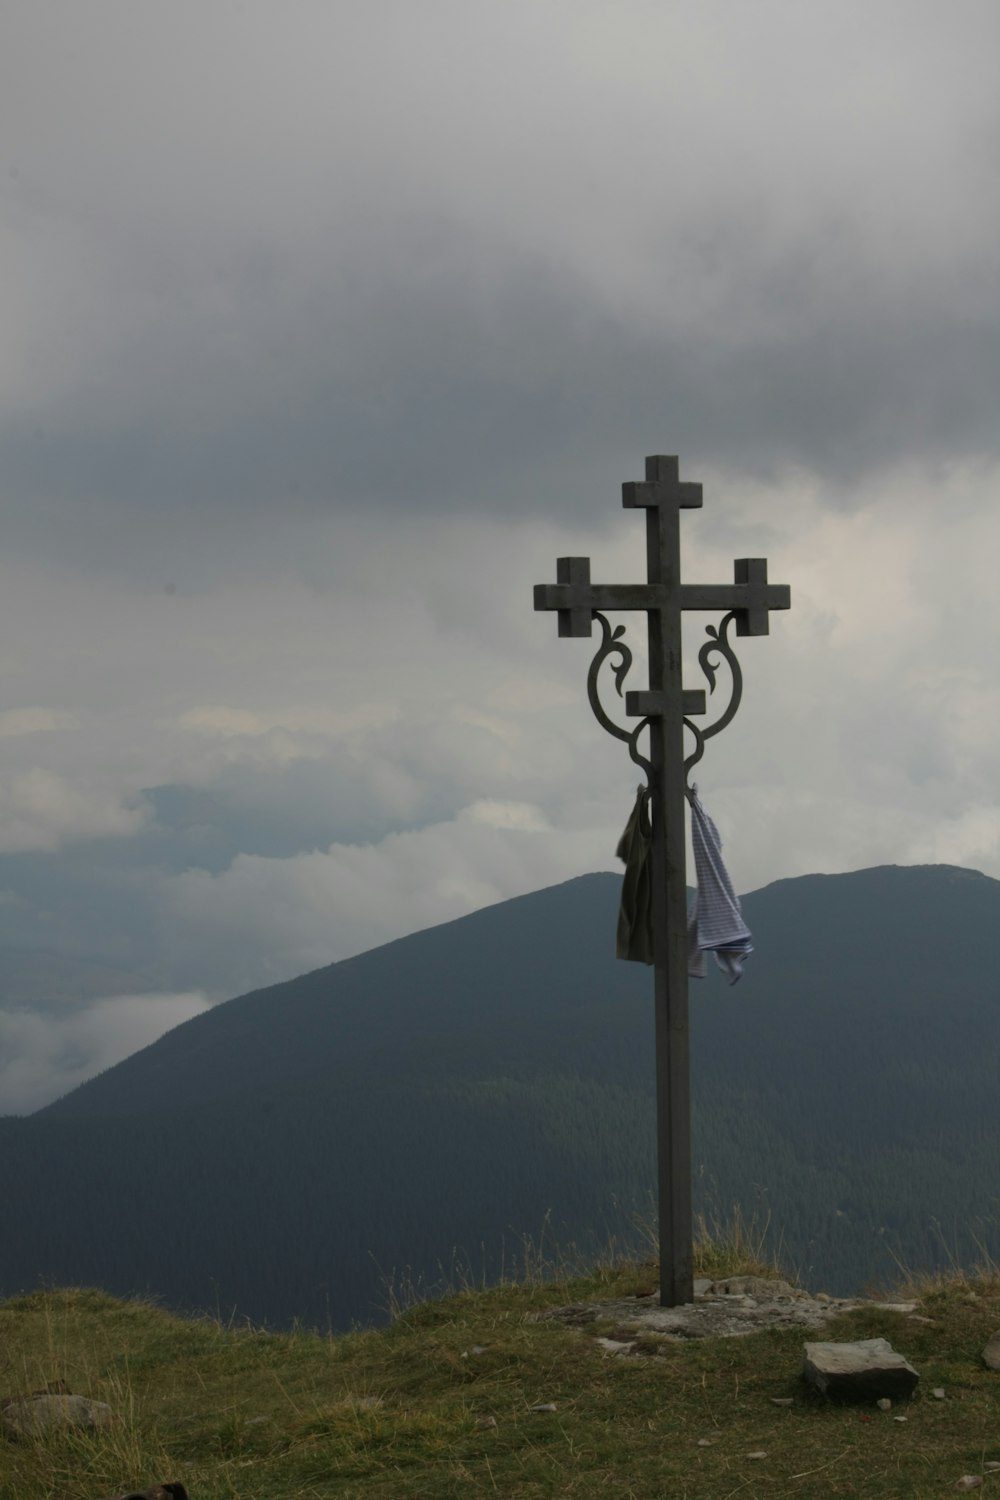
x=493, y=1077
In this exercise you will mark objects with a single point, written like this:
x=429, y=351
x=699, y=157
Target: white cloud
x=15, y=722
x=280, y=917
x=514, y=815
x=43, y=1057
x=226, y=722
x=970, y=839
x=42, y=810
x=868, y=725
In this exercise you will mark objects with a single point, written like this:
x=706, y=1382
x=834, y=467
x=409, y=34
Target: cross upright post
x=665, y=709
x=663, y=498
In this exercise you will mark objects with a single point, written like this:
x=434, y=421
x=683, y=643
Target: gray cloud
x=382, y=310
x=327, y=331
x=420, y=393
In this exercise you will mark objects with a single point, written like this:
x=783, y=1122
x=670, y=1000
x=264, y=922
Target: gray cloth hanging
x=715, y=922
x=635, y=912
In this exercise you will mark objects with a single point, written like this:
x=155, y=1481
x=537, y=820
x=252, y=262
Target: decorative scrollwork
x=612, y=645
x=716, y=645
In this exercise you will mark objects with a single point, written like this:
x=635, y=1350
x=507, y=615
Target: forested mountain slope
x=467, y=1084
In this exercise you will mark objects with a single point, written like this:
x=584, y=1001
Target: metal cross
x=665, y=709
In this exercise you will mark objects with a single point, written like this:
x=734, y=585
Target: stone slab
x=31, y=1415
x=867, y=1370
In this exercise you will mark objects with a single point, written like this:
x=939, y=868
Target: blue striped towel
x=715, y=922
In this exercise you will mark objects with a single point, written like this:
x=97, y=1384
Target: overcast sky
x=328, y=326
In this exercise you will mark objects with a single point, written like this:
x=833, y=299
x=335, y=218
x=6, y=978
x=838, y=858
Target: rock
x=729, y=1307
x=543, y=1406
x=714, y=1314
x=577, y=1313
x=991, y=1354
x=752, y=1286
x=884, y=1404
x=158, y=1492
x=862, y=1371
x=969, y=1482
x=938, y=1393
x=28, y=1416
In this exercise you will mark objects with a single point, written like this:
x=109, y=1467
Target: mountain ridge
x=411, y=946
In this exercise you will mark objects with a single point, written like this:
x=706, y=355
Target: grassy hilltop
x=455, y=1398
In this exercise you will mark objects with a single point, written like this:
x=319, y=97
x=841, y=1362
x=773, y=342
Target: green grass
x=411, y=1412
